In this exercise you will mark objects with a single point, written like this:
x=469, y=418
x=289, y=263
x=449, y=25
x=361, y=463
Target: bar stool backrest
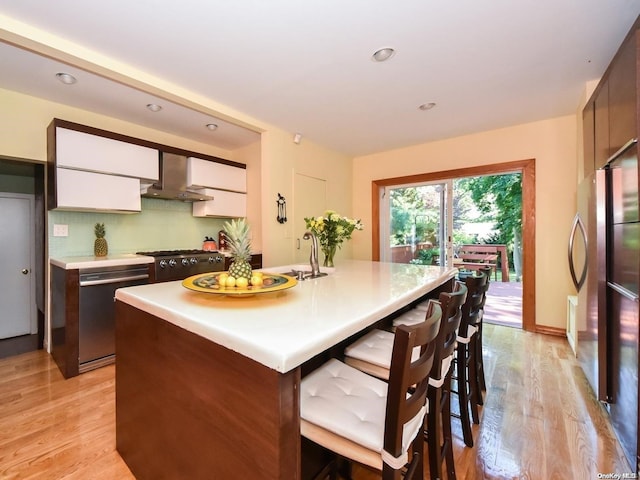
x=451, y=317
x=476, y=295
x=406, y=375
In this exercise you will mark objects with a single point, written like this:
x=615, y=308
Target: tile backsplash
x=162, y=224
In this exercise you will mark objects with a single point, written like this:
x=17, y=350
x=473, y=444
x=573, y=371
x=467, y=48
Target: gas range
x=179, y=264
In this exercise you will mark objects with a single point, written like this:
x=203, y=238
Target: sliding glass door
x=416, y=223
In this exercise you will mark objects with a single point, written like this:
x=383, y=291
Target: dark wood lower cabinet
x=65, y=323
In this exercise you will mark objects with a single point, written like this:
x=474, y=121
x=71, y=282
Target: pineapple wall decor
x=239, y=245
x=100, y=247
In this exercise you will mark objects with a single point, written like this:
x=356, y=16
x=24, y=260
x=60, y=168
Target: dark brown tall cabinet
x=610, y=143
x=610, y=118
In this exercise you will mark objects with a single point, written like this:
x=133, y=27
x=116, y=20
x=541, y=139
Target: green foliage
x=462, y=238
x=414, y=212
x=498, y=198
x=426, y=256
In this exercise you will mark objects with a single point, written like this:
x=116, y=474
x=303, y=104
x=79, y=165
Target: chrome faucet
x=313, y=258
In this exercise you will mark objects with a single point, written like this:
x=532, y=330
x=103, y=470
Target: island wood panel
x=189, y=408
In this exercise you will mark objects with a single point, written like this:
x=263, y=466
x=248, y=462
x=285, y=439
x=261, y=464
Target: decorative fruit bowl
x=217, y=283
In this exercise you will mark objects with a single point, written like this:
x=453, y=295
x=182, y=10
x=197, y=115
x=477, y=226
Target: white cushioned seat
x=375, y=347
x=424, y=306
x=339, y=399
x=372, y=352
x=412, y=317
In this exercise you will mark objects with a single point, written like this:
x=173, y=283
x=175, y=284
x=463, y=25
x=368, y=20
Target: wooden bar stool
x=371, y=355
x=439, y=437
x=467, y=381
x=370, y=421
x=477, y=348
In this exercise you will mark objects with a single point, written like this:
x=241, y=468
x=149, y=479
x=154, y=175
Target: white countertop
x=70, y=263
x=284, y=329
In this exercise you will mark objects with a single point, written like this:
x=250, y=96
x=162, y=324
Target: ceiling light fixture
x=383, y=54
x=154, y=107
x=211, y=126
x=427, y=106
x=66, y=78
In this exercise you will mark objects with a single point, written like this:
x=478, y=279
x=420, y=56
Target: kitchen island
x=207, y=385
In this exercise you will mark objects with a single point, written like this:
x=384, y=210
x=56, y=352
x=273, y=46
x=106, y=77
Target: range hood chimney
x=173, y=181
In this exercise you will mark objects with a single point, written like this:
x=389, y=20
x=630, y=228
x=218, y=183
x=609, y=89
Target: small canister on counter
x=222, y=240
x=209, y=245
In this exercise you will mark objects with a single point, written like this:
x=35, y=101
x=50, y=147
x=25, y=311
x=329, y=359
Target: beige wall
x=250, y=155
x=24, y=120
x=281, y=160
x=552, y=143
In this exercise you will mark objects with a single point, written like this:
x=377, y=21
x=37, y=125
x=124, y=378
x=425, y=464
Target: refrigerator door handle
x=578, y=225
x=624, y=292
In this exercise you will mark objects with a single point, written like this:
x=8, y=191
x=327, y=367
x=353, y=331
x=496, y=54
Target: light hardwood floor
x=540, y=420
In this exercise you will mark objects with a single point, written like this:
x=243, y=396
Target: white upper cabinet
x=206, y=174
x=94, y=153
x=224, y=204
x=79, y=190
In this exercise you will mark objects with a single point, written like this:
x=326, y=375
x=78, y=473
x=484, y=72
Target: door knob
x=25, y=271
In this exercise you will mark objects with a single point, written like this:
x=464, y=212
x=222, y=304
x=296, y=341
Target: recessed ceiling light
x=154, y=107
x=383, y=54
x=427, y=106
x=211, y=126
x=66, y=78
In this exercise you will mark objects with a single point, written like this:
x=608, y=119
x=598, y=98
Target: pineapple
x=100, y=247
x=240, y=245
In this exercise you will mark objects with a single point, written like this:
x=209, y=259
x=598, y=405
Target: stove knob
x=211, y=259
x=172, y=263
x=193, y=260
x=219, y=259
x=185, y=262
x=163, y=264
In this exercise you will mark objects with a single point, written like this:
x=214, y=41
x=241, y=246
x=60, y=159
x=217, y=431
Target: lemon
x=231, y=281
x=256, y=274
x=256, y=280
x=242, y=282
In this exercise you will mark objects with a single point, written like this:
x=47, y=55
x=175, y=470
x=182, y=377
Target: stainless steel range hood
x=173, y=181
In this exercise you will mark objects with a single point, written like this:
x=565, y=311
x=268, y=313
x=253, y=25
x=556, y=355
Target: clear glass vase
x=329, y=252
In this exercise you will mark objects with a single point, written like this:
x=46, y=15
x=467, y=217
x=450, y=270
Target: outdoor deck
x=504, y=304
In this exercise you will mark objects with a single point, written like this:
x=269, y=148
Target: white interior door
x=310, y=195
x=416, y=223
x=17, y=281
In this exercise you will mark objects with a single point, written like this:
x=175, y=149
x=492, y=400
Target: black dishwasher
x=97, y=310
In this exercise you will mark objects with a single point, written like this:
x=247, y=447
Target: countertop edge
x=270, y=356
x=71, y=263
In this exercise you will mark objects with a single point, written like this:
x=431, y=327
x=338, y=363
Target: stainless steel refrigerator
x=587, y=264
x=604, y=260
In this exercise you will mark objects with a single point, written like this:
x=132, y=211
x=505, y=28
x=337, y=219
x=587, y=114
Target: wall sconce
x=282, y=209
